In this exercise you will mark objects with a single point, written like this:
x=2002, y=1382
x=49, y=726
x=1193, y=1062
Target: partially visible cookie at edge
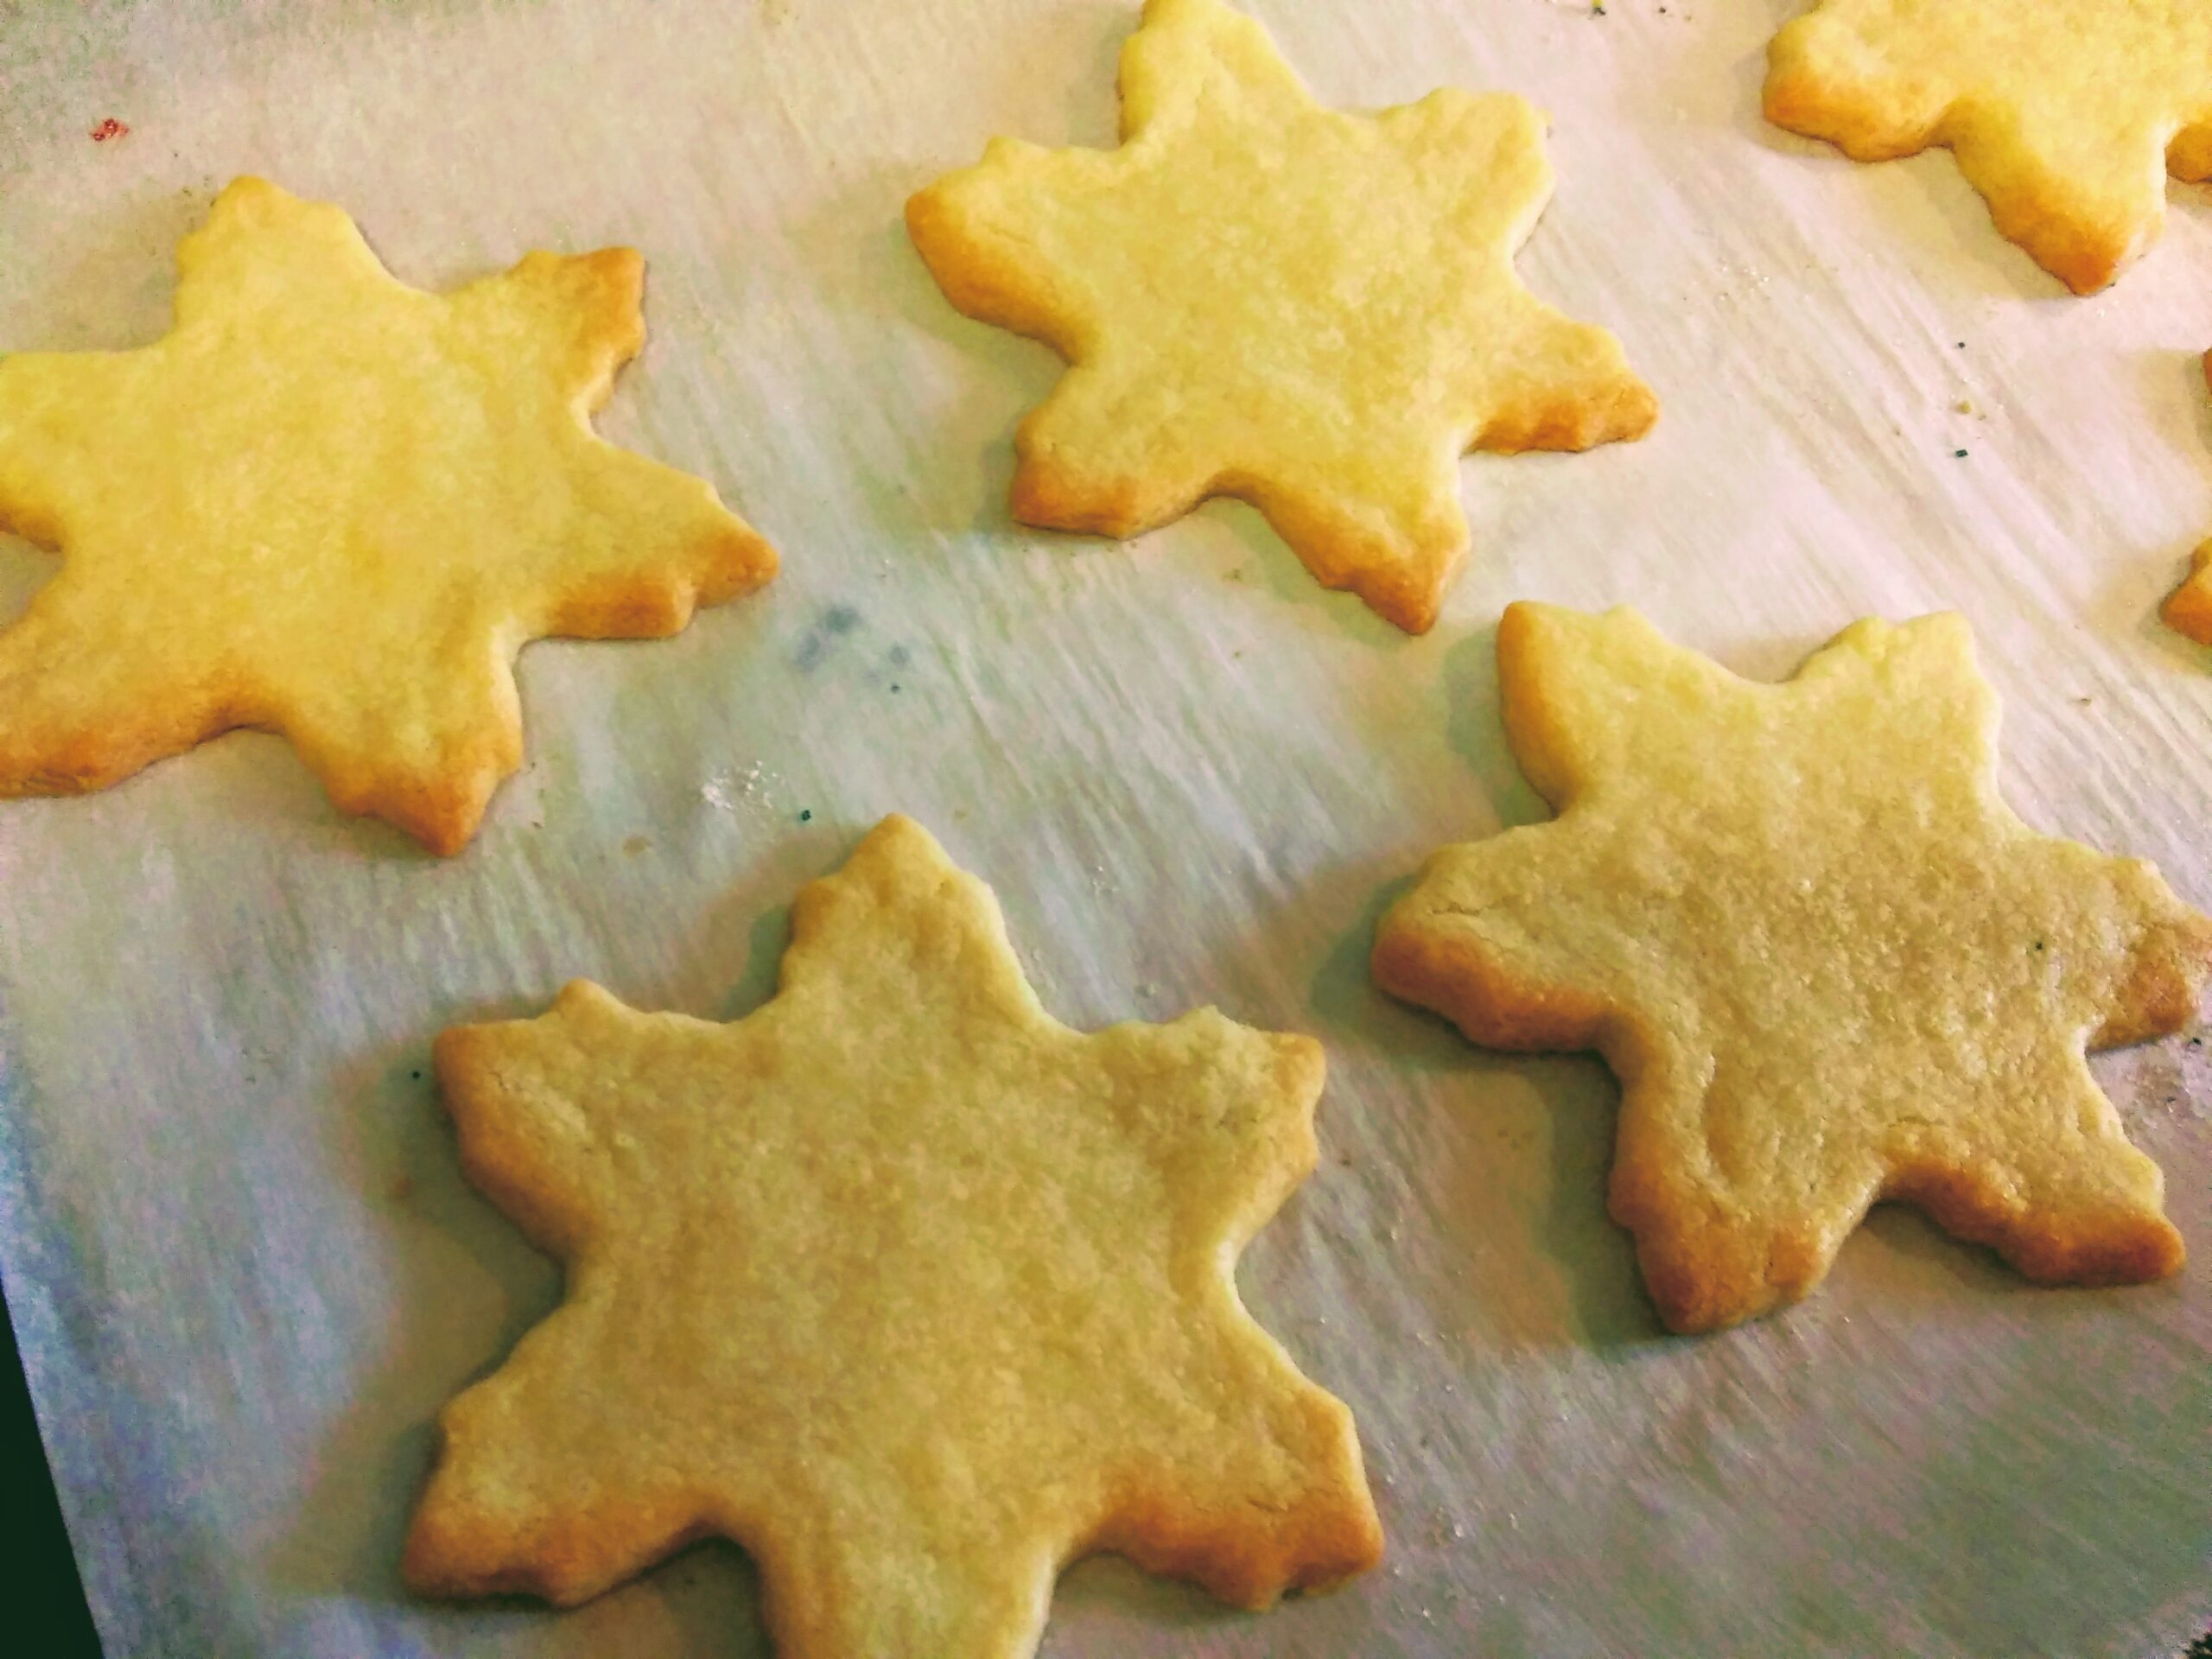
x=2066, y=115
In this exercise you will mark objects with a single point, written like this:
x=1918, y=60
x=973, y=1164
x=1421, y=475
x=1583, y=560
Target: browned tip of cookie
x=1705, y=1272
x=2097, y=1242
x=2122, y=1248
x=600, y=298
x=1045, y=496
x=725, y=561
x=973, y=281
x=1628, y=415
x=1695, y=1296
x=464, y=1540
x=49, y=757
x=2165, y=977
x=1799, y=98
x=1325, y=1545
x=1248, y=1546
x=445, y=1555
x=2084, y=254
x=1409, y=962
x=928, y=217
x=440, y=806
x=1407, y=596
x=1614, y=408
x=2188, y=610
x=1436, y=961
x=736, y=563
x=444, y=830
x=1409, y=593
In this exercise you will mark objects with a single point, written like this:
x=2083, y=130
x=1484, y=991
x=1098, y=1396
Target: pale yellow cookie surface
x=333, y=506
x=1262, y=298
x=2065, y=114
x=1827, y=962
x=909, y=1288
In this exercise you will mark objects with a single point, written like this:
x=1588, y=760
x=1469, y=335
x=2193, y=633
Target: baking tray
x=244, y=1267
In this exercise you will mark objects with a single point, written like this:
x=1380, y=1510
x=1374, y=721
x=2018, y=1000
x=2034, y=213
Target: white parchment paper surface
x=246, y=1269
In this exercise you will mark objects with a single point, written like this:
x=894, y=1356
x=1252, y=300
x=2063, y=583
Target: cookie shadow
x=397, y=1151
x=1485, y=1163
x=1107, y=1588
x=1573, y=1240
x=1918, y=1249
x=958, y=421
x=116, y=288
x=25, y=567
x=857, y=251
x=767, y=935
x=1474, y=725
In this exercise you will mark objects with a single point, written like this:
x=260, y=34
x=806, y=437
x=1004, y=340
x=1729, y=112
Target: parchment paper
x=246, y=1269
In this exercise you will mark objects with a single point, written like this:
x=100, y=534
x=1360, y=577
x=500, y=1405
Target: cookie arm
x=86, y=700
x=1244, y=1475
x=529, y=1108
x=638, y=544
x=1188, y=54
x=99, y=677
x=646, y=546
x=2083, y=201
x=860, y=1590
x=2052, y=1185
x=532, y=1495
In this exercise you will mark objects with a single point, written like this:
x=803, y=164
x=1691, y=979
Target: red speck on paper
x=108, y=128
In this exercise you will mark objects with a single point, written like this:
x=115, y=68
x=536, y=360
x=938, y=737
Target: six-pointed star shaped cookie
x=334, y=506
x=899, y=1282
x=1262, y=298
x=2065, y=114
x=1827, y=963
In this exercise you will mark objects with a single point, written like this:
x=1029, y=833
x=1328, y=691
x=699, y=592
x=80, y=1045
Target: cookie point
x=250, y=189
x=897, y=829
x=452, y=1052
x=2188, y=610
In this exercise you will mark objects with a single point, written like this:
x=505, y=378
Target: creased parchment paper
x=245, y=1267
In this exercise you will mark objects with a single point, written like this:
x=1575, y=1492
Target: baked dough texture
x=332, y=506
x=2066, y=115
x=907, y=1287
x=1259, y=297
x=1827, y=964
